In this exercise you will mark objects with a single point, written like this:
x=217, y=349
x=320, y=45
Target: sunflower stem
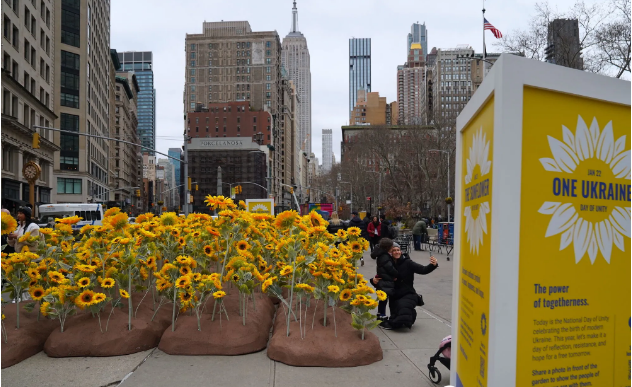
x=130, y=307
x=173, y=314
x=153, y=289
x=17, y=305
x=335, y=327
x=243, y=315
x=99, y=317
x=314, y=316
x=156, y=311
x=220, y=311
x=141, y=301
x=325, y=307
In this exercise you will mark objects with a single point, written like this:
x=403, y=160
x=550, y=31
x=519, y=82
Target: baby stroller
x=445, y=349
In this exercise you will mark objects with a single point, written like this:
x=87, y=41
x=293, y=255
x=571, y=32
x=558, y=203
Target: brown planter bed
x=321, y=347
x=29, y=339
x=231, y=338
x=82, y=336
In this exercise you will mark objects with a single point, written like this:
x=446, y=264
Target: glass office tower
x=359, y=69
x=142, y=64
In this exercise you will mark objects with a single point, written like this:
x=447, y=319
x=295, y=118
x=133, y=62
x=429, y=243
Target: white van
x=92, y=213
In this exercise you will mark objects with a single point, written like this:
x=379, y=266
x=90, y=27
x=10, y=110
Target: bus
x=92, y=213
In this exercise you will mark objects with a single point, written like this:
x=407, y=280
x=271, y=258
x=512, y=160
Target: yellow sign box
x=475, y=241
x=260, y=206
x=542, y=267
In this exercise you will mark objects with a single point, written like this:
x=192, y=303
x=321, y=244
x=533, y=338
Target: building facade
x=418, y=34
x=240, y=160
x=141, y=62
x=327, y=150
x=126, y=178
x=412, y=86
x=370, y=109
x=296, y=61
x=230, y=62
x=452, y=83
x=28, y=91
x=563, y=44
x=177, y=167
x=82, y=102
x=169, y=197
x=359, y=69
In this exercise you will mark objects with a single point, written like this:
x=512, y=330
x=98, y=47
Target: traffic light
x=36, y=140
x=196, y=187
x=292, y=190
x=137, y=193
x=238, y=189
x=189, y=184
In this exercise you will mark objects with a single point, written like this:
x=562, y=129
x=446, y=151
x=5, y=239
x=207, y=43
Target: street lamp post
x=448, y=153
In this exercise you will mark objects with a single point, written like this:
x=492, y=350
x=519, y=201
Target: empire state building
x=295, y=60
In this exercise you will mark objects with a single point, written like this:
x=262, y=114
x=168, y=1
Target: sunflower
x=197, y=277
x=212, y=231
x=44, y=308
x=345, y=295
x=269, y=246
x=285, y=219
x=33, y=273
x=341, y=234
x=243, y=246
x=56, y=276
x=182, y=259
x=107, y=283
x=85, y=281
x=356, y=247
x=305, y=287
x=111, y=212
x=123, y=293
x=219, y=294
x=86, y=268
x=118, y=221
x=185, y=297
x=381, y=295
x=69, y=220
x=168, y=219
x=182, y=242
x=37, y=293
x=196, y=234
x=316, y=219
x=183, y=282
x=208, y=250
x=86, y=298
x=287, y=269
x=99, y=297
x=333, y=288
x=163, y=286
x=355, y=231
x=151, y=261
x=185, y=270
x=266, y=283
x=9, y=224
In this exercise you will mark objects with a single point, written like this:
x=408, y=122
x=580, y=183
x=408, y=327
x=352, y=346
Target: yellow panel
x=574, y=279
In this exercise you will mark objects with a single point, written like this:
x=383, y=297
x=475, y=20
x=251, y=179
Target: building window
x=69, y=143
x=68, y=186
x=268, y=44
x=268, y=60
x=268, y=77
x=193, y=46
x=268, y=69
x=192, y=63
x=70, y=22
x=192, y=55
x=268, y=52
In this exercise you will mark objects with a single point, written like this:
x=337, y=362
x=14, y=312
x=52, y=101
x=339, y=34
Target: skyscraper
x=327, y=150
x=359, y=69
x=564, y=48
x=142, y=64
x=412, y=87
x=82, y=102
x=295, y=59
x=418, y=34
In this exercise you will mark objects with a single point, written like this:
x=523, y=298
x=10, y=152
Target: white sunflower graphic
x=478, y=165
x=260, y=208
x=588, y=145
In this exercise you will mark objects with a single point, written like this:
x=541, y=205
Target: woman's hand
x=375, y=280
x=433, y=260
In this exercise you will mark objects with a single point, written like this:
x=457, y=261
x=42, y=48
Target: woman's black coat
x=403, y=302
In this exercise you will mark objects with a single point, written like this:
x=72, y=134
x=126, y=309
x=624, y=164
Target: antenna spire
x=294, y=18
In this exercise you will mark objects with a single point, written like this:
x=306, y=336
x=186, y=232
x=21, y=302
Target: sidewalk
x=406, y=356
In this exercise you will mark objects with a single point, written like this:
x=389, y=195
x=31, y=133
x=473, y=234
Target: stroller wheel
x=435, y=375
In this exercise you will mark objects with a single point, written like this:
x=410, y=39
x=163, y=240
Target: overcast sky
x=160, y=26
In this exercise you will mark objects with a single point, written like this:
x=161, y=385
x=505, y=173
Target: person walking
x=385, y=224
x=366, y=221
x=335, y=224
x=374, y=228
x=420, y=233
x=25, y=224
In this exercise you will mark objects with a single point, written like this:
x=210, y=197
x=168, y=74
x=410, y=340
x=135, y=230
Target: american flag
x=494, y=30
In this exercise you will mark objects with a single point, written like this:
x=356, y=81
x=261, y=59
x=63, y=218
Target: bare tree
x=604, y=36
x=613, y=39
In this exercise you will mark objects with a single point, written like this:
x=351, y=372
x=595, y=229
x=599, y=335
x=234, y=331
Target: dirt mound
x=230, y=337
x=29, y=339
x=321, y=347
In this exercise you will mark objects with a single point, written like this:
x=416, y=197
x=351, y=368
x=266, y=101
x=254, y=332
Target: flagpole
x=484, y=48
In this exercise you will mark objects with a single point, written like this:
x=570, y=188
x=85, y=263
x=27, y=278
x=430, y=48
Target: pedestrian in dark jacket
x=366, y=221
x=385, y=232
x=405, y=297
x=357, y=222
x=375, y=231
x=420, y=233
x=335, y=224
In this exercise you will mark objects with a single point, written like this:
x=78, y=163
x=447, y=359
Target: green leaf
x=367, y=316
x=373, y=324
x=357, y=326
x=29, y=307
x=65, y=266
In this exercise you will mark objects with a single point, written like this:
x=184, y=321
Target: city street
x=406, y=356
